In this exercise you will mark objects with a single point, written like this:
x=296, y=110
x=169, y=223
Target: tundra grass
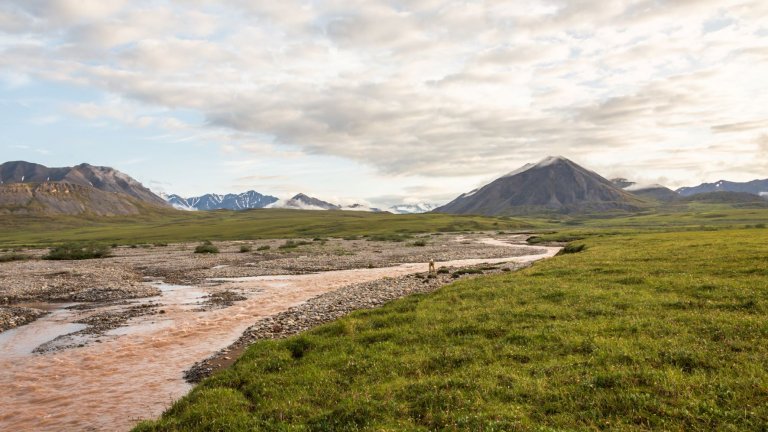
x=177, y=226
x=661, y=331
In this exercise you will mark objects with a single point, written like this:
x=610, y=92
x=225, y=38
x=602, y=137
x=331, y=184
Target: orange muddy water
x=135, y=372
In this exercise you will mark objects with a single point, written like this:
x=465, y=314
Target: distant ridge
x=242, y=201
x=554, y=184
x=756, y=187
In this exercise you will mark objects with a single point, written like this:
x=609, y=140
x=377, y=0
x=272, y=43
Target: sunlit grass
x=640, y=331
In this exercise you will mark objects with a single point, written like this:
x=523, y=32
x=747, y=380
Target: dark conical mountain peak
x=554, y=184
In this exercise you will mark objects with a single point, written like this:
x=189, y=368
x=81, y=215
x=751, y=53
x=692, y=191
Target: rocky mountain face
x=755, y=187
x=102, y=178
x=53, y=198
x=242, y=201
x=553, y=185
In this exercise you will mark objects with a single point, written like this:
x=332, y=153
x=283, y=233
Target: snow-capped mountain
x=243, y=201
x=412, y=208
x=653, y=191
x=304, y=202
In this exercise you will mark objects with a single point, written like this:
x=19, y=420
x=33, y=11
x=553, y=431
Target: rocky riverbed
x=335, y=304
x=105, y=282
x=101, y=364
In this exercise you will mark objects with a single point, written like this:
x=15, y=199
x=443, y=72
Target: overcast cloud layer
x=672, y=91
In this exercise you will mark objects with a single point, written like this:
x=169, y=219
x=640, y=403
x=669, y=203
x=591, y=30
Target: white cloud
x=427, y=87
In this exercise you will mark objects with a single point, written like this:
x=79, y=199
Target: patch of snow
x=470, y=193
x=413, y=208
x=763, y=194
x=639, y=186
x=294, y=204
x=547, y=161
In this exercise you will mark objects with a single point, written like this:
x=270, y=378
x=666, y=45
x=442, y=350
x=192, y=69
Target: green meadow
x=639, y=331
x=179, y=226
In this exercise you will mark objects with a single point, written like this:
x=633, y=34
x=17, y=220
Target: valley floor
x=114, y=335
x=26, y=284
x=637, y=331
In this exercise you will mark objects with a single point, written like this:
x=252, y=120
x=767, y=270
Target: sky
x=384, y=101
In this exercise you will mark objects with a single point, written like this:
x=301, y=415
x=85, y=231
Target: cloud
x=433, y=88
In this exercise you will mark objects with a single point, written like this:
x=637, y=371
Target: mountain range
x=242, y=201
x=755, y=187
x=553, y=185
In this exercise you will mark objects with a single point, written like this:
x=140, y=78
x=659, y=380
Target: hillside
x=733, y=198
x=554, y=185
x=653, y=192
x=102, y=178
x=65, y=199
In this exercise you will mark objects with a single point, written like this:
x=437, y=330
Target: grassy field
x=643, y=331
x=178, y=226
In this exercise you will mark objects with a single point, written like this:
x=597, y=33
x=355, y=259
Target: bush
x=420, y=243
x=461, y=272
x=290, y=244
x=245, y=248
x=14, y=257
x=206, y=247
x=571, y=248
x=390, y=237
x=263, y=248
x=76, y=251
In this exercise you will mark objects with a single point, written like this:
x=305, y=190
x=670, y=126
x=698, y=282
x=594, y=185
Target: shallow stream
x=135, y=372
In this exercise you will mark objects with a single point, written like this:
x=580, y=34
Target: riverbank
x=124, y=276
x=63, y=371
x=632, y=332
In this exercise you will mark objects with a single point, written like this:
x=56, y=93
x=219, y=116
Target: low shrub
x=78, y=251
x=206, y=247
x=291, y=244
x=390, y=237
x=420, y=243
x=462, y=272
x=245, y=248
x=263, y=248
x=14, y=257
x=571, y=248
